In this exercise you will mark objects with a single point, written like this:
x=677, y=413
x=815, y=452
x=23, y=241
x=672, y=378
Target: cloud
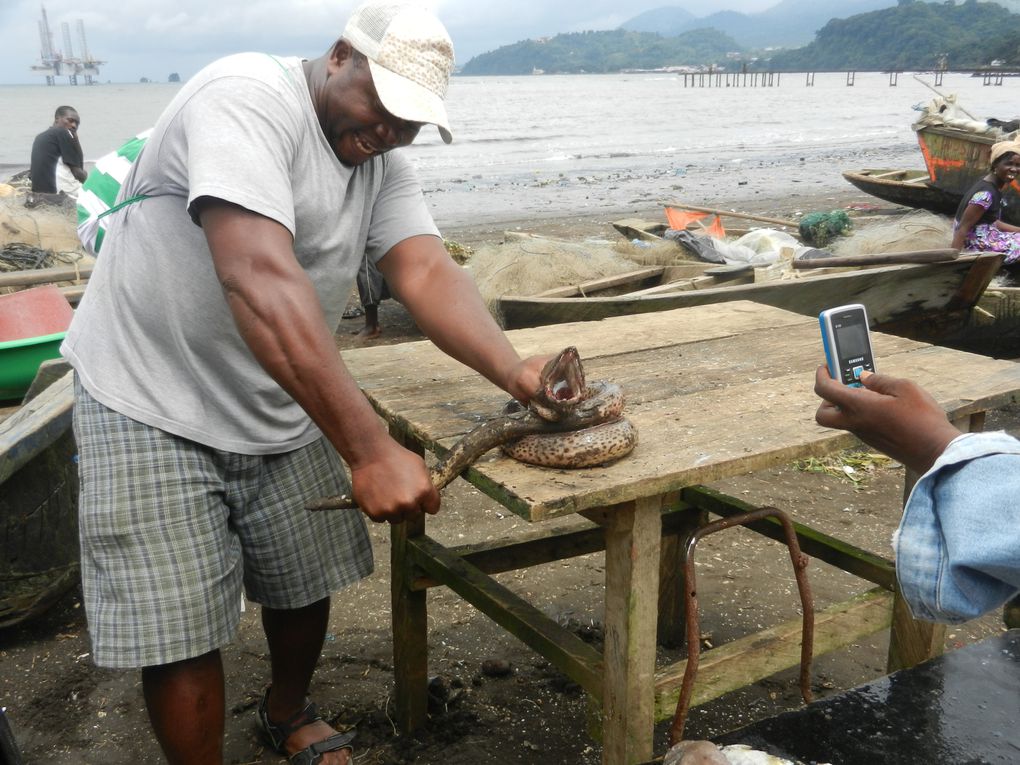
x=154, y=37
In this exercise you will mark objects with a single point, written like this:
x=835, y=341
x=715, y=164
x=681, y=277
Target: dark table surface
x=962, y=708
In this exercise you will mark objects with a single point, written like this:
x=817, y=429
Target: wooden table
x=714, y=391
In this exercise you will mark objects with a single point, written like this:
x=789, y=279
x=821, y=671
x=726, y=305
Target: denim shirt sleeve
x=958, y=544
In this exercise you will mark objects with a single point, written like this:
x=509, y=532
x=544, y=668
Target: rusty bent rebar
x=799, y=560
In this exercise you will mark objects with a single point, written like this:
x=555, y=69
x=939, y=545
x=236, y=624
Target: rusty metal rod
x=693, y=633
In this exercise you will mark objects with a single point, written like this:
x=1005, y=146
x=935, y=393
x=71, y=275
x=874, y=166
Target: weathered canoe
x=38, y=500
x=920, y=300
x=910, y=188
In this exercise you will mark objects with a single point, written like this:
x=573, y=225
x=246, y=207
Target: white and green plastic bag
x=98, y=196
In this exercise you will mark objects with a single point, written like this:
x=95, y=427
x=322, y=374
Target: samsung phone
x=847, y=343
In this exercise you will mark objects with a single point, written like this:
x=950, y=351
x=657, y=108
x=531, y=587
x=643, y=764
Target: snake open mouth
x=562, y=384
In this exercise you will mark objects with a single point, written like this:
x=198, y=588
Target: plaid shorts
x=171, y=529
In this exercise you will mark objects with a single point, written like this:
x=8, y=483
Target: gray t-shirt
x=153, y=337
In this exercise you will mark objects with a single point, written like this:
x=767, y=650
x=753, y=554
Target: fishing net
x=48, y=227
x=916, y=230
x=819, y=228
x=40, y=237
x=653, y=253
x=530, y=265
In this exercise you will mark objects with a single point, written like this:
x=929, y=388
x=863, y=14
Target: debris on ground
x=853, y=466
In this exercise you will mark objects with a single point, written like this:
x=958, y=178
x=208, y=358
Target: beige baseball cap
x=410, y=55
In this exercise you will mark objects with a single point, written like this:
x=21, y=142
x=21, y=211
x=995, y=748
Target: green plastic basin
x=20, y=360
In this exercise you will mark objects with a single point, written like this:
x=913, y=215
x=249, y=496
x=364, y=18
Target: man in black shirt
x=55, y=145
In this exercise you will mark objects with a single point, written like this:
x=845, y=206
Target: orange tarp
x=680, y=219
x=716, y=228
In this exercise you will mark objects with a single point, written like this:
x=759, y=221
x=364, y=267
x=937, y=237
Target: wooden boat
x=910, y=188
x=38, y=497
x=38, y=467
x=956, y=159
x=993, y=328
x=917, y=300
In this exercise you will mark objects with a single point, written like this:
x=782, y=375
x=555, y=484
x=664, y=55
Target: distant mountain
x=789, y=23
x=899, y=35
x=668, y=22
x=911, y=35
x=609, y=51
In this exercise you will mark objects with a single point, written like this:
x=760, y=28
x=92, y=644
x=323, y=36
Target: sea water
x=532, y=143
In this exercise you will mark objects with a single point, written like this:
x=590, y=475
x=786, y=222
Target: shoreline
x=583, y=201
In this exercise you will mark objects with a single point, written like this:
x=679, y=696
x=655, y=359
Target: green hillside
x=609, y=51
x=912, y=35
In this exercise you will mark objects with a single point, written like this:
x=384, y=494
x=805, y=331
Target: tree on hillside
x=910, y=35
x=606, y=51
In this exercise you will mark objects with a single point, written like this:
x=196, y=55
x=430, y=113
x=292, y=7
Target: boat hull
x=920, y=300
x=910, y=188
x=39, y=555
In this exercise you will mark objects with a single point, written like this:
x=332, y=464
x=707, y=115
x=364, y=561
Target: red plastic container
x=34, y=312
x=33, y=323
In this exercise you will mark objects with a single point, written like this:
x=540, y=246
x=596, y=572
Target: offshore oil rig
x=54, y=63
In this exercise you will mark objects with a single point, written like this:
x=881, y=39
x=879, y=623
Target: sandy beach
x=64, y=710
x=787, y=184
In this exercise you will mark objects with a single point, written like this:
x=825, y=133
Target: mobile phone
x=847, y=343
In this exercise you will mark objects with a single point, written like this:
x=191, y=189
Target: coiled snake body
x=569, y=423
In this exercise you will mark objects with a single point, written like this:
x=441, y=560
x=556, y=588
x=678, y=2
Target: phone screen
x=851, y=340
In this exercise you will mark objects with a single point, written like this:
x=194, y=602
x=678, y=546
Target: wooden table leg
x=671, y=629
x=1011, y=613
x=633, y=538
x=410, y=630
x=912, y=641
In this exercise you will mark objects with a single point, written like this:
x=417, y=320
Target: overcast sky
x=152, y=38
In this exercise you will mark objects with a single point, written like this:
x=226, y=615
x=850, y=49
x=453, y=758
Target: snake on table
x=568, y=423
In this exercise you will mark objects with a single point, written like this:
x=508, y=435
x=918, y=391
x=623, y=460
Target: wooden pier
x=712, y=79
x=751, y=79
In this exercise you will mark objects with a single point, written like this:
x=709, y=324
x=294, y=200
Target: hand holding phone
x=894, y=415
x=847, y=343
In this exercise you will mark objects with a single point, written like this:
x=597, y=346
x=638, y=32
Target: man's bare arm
x=444, y=301
x=277, y=312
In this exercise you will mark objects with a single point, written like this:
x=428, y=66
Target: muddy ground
x=65, y=710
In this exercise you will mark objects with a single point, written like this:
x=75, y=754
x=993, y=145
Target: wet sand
x=790, y=184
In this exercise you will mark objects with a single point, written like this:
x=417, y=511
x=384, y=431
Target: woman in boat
x=979, y=225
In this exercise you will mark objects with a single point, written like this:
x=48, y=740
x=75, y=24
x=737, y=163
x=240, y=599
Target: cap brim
x=410, y=101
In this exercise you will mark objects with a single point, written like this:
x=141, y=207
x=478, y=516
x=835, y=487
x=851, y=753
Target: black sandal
x=276, y=734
